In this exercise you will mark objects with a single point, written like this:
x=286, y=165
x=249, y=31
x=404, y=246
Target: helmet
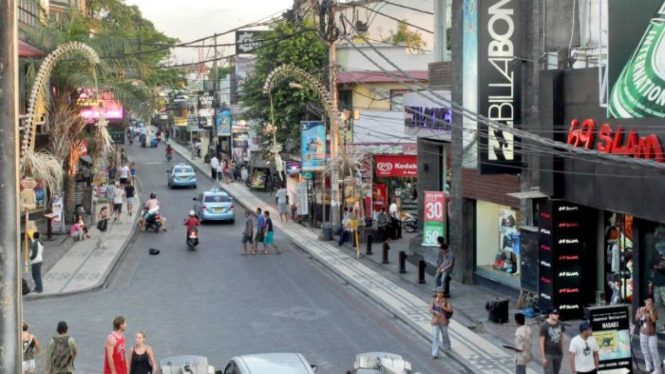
x=153, y=195
x=191, y=213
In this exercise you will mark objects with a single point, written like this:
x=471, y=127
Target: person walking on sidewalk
x=269, y=239
x=583, y=351
x=31, y=349
x=115, y=361
x=260, y=227
x=130, y=191
x=141, y=358
x=103, y=218
x=36, y=259
x=281, y=204
x=214, y=164
x=441, y=310
x=248, y=234
x=132, y=171
x=551, y=342
x=523, y=344
x=443, y=272
x=646, y=318
x=110, y=192
x=118, y=200
x=61, y=352
x=124, y=175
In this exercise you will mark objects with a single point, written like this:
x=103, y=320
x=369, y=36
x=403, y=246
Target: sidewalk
x=470, y=350
x=82, y=267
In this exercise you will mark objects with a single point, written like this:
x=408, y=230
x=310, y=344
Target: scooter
x=192, y=239
x=410, y=223
x=154, y=222
x=169, y=157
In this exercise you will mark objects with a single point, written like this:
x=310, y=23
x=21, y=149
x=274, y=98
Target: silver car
x=270, y=363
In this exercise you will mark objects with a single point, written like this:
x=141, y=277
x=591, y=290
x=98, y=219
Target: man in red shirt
x=192, y=222
x=114, y=352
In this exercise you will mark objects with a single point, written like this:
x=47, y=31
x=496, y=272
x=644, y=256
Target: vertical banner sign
x=470, y=75
x=611, y=328
x=499, y=83
x=435, y=217
x=302, y=199
x=313, y=145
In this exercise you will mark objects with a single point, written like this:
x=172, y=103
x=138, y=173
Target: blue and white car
x=214, y=205
x=181, y=175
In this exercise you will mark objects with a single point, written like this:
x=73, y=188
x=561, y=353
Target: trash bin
x=498, y=311
x=327, y=231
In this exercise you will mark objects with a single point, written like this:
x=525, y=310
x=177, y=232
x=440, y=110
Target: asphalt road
x=219, y=304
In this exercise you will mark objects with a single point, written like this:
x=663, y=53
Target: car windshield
x=216, y=199
x=183, y=170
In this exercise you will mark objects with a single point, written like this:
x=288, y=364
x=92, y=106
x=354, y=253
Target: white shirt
x=393, y=209
x=118, y=196
x=281, y=195
x=583, y=356
x=214, y=163
x=124, y=172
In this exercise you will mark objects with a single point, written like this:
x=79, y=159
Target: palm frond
x=43, y=166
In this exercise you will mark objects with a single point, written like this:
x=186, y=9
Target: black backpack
x=61, y=356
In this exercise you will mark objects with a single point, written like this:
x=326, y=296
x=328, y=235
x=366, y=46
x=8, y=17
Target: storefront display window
x=654, y=244
x=497, y=255
x=619, y=257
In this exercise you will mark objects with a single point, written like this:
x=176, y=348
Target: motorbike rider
x=192, y=224
x=151, y=205
x=169, y=150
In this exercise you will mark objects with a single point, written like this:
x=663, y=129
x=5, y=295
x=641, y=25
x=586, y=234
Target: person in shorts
x=258, y=238
x=130, y=191
x=118, y=200
x=268, y=239
x=248, y=233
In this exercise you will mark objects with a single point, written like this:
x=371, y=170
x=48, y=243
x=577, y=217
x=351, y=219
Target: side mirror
x=230, y=198
x=195, y=199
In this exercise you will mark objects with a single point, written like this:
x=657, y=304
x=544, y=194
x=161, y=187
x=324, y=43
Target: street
x=217, y=303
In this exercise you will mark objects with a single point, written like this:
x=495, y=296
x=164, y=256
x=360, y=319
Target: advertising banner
x=396, y=166
x=313, y=145
x=259, y=178
x=434, y=224
x=240, y=140
x=611, y=328
x=302, y=200
x=223, y=123
x=248, y=40
x=500, y=34
x=292, y=167
x=470, y=77
x=379, y=197
x=636, y=55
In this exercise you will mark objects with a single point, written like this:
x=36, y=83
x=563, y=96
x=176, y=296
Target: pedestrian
x=76, y=231
x=118, y=200
x=61, y=351
x=646, y=318
x=523, y=344
x=130, y=191
x=36, y=259
x=227, y=171
x=584, y=351
x=342, y=232
x=132, y=171
x=443, y=272
x=81, y=223
x=220, y=172
x=248, y=234
x=115, y=361
x=141, y=358
x=110, y=192
x=281, y=204
x=31, y=349
x=269, y=239
x=260, y=227
x=442, y=311
x=244, y=174
x=124, y=175
x=382, y=224
x=392, y=210
x=113, y=170
x=214, y=164
x=551, y=342
x=102, y=225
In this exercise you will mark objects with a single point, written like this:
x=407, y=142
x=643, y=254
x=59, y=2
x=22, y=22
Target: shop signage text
x=437, y=118
x=615, y=141
x=396, y=166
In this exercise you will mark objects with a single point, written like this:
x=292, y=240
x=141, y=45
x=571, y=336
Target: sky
x=194, y=19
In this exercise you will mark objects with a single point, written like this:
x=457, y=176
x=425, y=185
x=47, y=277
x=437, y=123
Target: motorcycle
x=409, y=222
x=192, y=239
x=154, y=221
x=169, y=156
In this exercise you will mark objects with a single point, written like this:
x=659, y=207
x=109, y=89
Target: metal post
x=421, y=271
x=402, y=262
x=368, y=251
x=10, y=260
x=386, y=248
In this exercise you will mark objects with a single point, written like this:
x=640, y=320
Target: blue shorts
x=269, y=238
x=130, y=200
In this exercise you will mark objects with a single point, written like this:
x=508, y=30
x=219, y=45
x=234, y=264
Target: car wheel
x=194, y=186
x=233, y=221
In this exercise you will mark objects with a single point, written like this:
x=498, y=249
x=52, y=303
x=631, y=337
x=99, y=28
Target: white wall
x=351, y=60
x=376, y=126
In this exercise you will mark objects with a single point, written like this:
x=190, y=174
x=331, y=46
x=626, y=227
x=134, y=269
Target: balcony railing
x=29, y=12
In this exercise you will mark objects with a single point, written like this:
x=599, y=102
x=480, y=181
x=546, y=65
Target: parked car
x=181, y=175
x=380, y=363
x=186, y=364
x=214, y=205
x=270, y=363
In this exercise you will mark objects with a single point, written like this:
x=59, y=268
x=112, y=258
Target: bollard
x=402, y=262
x=421, y=271
x=368, y=252
x=386, y=248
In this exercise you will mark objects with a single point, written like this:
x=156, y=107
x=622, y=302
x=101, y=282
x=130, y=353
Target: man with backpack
x=61, y=352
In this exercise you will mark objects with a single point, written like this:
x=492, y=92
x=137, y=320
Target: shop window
x=619, y=257
x=654, y=244
x=497, y=254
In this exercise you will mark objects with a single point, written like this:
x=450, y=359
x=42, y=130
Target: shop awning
x=26, y=50
x=533, y=194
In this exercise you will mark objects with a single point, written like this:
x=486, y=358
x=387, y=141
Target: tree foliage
x=411, y=39
x=297, y=44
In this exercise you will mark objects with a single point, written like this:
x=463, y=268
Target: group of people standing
x=62, y=351
x=265, y=233
x=225, y=170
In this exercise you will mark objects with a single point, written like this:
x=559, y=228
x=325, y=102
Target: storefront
x=620, y=247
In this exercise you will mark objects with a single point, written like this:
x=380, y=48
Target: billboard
x=470, y=76
x=247, y=41
x=611, y=328
x=636, y=69
x=500, y=34
x=313, y=140
x=223, y=123
x=396, y=166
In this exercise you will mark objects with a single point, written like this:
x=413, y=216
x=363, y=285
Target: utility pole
x=215, y=87
x=10, y=260
x=334, y=122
